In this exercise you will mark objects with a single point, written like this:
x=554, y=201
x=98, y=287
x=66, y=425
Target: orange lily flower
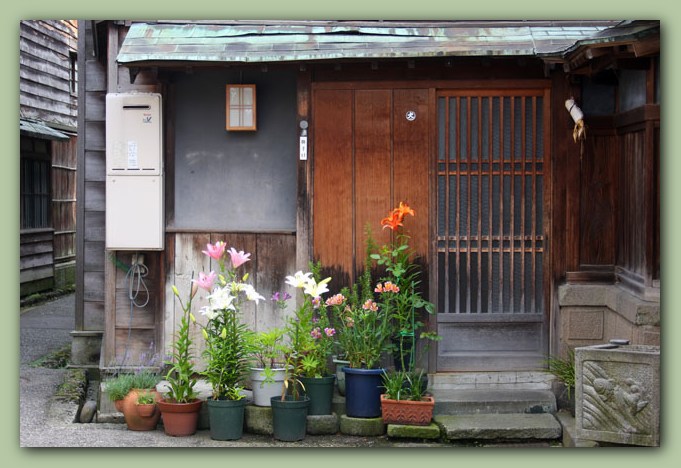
x=404, y=209
x=393, y=221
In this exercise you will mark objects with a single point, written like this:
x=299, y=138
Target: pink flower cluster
x=387, y=287
x=317, y=333
x=370, y=305
x=336, y=300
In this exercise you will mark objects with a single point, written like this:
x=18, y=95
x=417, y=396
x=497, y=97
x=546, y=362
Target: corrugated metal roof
x=38, y=130
x=276, y=41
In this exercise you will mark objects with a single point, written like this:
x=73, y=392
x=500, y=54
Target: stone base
x=322, y=424
x=258, y=420
x=432, y=431
x=361, y=426
x=570, y=439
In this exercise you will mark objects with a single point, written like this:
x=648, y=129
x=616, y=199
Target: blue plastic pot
x=363, y=388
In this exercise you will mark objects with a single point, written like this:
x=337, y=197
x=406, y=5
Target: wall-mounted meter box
x=133, y=134
x=134, y=172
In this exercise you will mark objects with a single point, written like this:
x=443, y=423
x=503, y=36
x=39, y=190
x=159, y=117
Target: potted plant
x=267, y=368
x=398, y=290
x=405, y=400
x=227, y=348
x=315, y=344
x=564, y=370
x=363, y=331
x=180, y=406
x=125, y=387
x=146, y=404
x=290, y=410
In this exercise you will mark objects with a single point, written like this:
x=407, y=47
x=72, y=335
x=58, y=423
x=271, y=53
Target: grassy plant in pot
x=405, y=400
x=267, y=372
x=363, y=331
x=398, y=290
x=146, y=404
x=564, y=370
x=180, y=406
x=125, y=388
x=315, y=343
x=290, y=410
x=227, y=349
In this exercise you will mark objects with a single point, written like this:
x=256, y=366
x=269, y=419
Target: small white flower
x=222, y=299
x=252, y=294
x=208, y=312
x=299, y=280
x=315, y=289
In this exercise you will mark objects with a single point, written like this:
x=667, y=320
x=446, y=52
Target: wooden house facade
x=48, y=146
x=531, y=241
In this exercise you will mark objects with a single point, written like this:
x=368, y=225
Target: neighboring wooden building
x=48, y=94
x=531, y=241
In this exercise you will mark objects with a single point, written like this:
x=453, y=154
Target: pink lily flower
x=206, y=281
x=215, y=251
x=238, y=258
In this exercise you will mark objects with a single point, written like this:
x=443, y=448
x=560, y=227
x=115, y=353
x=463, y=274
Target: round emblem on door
x=411, y=115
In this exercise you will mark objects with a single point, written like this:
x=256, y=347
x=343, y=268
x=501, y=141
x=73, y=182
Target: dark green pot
x=289, y=418
x=320, y=391
x=226, y=418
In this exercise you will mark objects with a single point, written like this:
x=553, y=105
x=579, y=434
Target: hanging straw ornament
x=579, y=132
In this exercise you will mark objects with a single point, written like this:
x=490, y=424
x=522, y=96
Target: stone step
x=493, y=401
x=499, y=427
x=510, y=380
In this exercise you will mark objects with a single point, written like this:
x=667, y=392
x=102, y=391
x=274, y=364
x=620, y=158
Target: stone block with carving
x=618, y=394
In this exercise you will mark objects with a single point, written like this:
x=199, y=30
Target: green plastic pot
x=226, y=418
x=289, y=417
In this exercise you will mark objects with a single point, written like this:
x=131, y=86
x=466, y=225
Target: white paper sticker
x=132, y=155
x=303, y=148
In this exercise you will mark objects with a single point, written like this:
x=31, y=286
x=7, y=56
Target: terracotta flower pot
x=146, y=410
x=415, y=413
x=180, y=419
x=134, y=420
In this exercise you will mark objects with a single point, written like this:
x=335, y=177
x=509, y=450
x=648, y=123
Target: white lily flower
x=315, y=289
x=252, y=294
x=299, y=279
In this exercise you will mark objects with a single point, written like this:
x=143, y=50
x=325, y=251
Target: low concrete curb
x=361, y=426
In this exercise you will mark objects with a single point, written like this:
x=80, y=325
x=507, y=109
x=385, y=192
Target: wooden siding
x=64, y=164
x=45, y=79
x=36, y=256
x=90, y=263
x=638, y=205
x=273, y=258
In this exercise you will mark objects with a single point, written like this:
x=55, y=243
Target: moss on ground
x=58, y=359
x=74, y=386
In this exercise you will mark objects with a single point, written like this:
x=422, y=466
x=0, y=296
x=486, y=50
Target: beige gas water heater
x=134, y=172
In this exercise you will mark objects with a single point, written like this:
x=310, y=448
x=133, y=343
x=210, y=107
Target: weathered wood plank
x=28, y=262
x=275, y=260
x=372, y=169
x=34, y=248
x=333, y=184
x=35, y=274
x=94, y=226
x=95, y=166
x=411, y=165
x=94, y=256
x=95, y=199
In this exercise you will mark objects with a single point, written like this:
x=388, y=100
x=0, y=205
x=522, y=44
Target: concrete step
x=493, y=401
x=499, y=427
x=509, y=380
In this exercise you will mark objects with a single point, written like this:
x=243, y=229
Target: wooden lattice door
x=491, y=223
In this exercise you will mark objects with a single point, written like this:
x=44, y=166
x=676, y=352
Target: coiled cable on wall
x=136, y=287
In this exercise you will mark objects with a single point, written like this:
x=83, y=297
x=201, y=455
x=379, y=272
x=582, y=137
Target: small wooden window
x=241, y=107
